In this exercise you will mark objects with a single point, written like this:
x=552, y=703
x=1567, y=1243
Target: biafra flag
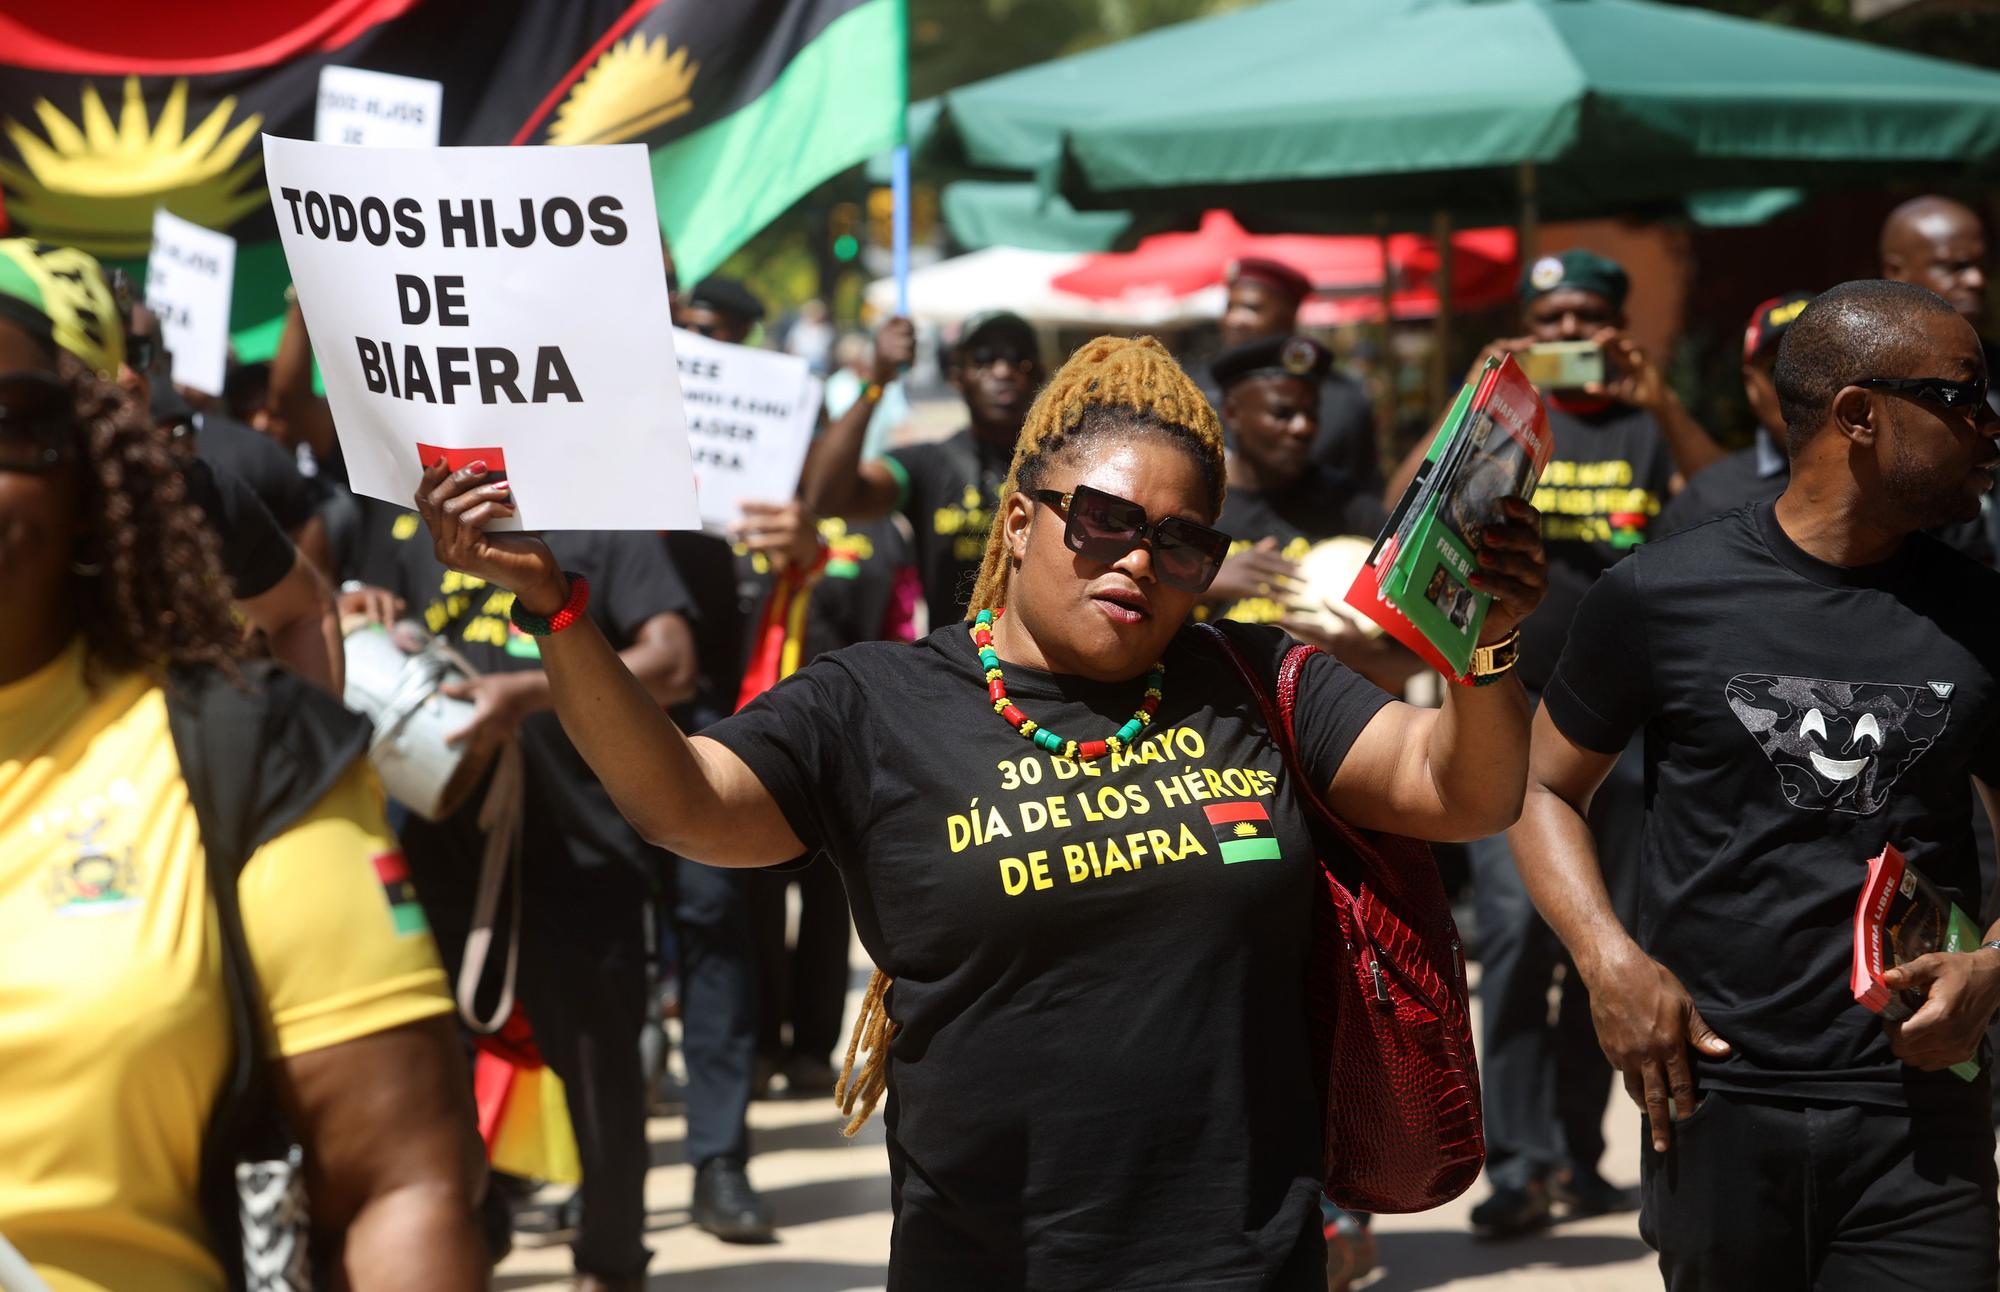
x=111, y=109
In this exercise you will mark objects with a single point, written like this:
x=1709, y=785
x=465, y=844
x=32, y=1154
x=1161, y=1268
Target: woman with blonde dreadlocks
x=1069, y=841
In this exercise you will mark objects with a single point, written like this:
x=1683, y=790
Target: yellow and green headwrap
x=61, y=293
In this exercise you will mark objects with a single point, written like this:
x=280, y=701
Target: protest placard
x=189, y=277
x=375, y=109
x=500, y=303
x=750, y=419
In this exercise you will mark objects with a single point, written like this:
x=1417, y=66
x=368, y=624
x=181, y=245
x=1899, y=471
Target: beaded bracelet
x=572, y=610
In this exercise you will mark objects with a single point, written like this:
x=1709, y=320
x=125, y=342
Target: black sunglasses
x=1103, y=527
x=37, y=422
x=141, y=348
x=1933, y=390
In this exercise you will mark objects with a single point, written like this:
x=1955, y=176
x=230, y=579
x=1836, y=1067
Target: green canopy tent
x=1399, y=109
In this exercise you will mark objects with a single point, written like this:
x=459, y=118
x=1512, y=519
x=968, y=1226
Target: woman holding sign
x=1066, y=833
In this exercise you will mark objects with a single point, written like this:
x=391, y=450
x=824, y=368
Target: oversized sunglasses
x=1956, y=395
x=1103, y=527
x=37, y=421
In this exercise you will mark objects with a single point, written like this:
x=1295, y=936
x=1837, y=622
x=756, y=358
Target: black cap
x=1576, y=270
x=1277, y=356
x=1769, y=321
x=726, y=296
x=996, y=325
x=170, y=409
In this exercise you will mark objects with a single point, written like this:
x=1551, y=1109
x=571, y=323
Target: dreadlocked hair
x=158, y=595
x=1111, y=388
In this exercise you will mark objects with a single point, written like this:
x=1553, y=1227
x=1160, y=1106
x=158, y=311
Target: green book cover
x=1499, y=450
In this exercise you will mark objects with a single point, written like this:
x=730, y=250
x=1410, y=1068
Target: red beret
x=1272, y=273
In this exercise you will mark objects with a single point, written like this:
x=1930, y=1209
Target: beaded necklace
x=1042, y=737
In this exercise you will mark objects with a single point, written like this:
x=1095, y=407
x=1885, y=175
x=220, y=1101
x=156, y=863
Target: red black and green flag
x=109, y=110
x=404, y=908
x=1242, y=831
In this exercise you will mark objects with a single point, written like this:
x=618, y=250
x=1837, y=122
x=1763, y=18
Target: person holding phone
x=1621, y=446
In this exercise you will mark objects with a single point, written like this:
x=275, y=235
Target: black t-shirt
x=1346, y=440
x=1743, y=478
x=1607, y=479
x=1100, y=1079
x=1724, y=486
x=255, y=552
x=707, y=568
x=1322, y=505
x=1797, y=716
x=950, y=491
x=271, y=473
x=631, y=581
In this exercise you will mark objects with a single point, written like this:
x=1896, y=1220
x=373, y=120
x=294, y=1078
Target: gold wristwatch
x=1492, y=662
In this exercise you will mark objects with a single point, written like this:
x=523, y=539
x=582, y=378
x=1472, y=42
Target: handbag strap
x=1278, y=715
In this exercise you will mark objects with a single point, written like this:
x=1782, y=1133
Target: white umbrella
x=1011, y=278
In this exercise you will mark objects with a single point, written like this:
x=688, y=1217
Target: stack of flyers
x=1417, y=583
x=1899, y=917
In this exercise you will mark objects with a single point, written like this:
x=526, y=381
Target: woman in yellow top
x=115, y=1028
x=1064, y=830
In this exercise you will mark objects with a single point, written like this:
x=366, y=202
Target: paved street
x=832, y=1200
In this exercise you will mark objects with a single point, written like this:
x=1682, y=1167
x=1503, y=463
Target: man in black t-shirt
x=583, y=876
x=1814, y=678
x=1757, y=473
x=947, y=489
x=1263, y=305
x=1281, y=501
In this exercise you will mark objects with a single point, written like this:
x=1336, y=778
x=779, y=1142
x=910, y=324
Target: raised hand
x=1512, y=566
x=457, y=506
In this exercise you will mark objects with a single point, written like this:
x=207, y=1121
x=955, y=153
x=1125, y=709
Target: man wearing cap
x=947, y=489
x=1281, y=501
x=721, y=308
x=1759, y=472
x=1619, y=447
x=1263, y=305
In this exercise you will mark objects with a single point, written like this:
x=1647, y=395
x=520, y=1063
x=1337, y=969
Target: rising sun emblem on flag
x=635, y=87
x=96, y=185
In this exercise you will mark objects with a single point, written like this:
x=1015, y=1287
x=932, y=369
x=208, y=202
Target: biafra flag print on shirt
x=1242, y=830
x=404, y=909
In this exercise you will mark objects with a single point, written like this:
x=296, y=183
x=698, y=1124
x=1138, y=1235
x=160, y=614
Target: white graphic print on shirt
x=1838, y=746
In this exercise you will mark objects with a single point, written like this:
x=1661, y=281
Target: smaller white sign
x=189, y=277
x=750, y=419
x=377, y=110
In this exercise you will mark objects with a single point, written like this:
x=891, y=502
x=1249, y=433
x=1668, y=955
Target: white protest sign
x=750, y=415
x=189, y=276
x=357, y=106
x=499, y=304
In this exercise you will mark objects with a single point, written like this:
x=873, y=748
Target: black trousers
x=804, y=986
x=582, y=983
x=709, y=908
x=1544, y=1084
x=1771, y=1196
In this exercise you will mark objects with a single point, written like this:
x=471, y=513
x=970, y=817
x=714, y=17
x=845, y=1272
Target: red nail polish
x=477, y=468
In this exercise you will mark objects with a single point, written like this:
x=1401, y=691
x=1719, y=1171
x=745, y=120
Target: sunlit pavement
x=831, y=1196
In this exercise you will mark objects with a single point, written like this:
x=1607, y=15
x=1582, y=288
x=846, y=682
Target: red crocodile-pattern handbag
x=1390, y=1025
